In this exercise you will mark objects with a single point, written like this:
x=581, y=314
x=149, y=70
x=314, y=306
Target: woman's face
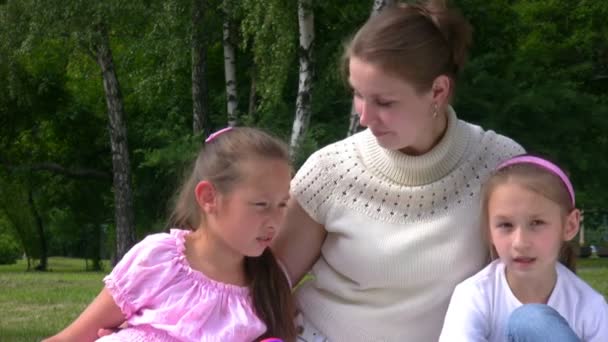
x=399, y=117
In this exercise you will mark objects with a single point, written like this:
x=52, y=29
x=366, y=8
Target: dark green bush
x=9, y=250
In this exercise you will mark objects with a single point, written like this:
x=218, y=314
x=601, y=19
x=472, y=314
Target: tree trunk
x=252, y=96
x=379, y=5
x=303, y=102
x=353, y=126
x=230, y=66
x=42, y=266
x=121, y=166
x=200, y=103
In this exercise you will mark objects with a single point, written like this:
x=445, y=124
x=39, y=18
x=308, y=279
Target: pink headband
x=545, y=164
x=214, y=135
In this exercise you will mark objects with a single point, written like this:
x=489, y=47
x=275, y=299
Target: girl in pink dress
x=212, y=277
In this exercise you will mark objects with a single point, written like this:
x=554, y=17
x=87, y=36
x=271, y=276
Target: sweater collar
x=417, y=170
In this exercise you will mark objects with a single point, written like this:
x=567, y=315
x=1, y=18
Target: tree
x=200, y=105
x=89, y=27
x=303, y=105
x=121, y=164
x=230, y=64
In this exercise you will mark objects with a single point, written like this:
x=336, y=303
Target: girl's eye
x=356, y=94
x=261, y=205
x=283, y=205
x=384, y=103
x=504, y=225
x=537, y=223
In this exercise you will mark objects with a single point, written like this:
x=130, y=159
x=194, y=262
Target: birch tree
x=303, y=101
x=88, y=28
x=353, y=126
x=121, y=164
x=230, y=64
x=200, y=105
x=379, y=5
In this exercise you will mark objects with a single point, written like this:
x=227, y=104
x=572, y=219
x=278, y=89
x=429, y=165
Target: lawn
x=34, y=304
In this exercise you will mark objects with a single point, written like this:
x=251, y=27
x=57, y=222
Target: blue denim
x=538, y=323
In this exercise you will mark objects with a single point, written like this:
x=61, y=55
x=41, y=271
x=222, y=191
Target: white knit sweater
x=402, y=231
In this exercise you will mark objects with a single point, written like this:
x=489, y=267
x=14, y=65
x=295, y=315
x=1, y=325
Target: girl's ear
x=572, y=224
x=206, y=196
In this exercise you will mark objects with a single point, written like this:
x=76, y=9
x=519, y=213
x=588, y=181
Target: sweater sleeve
x=313, y=183
x=467, y=318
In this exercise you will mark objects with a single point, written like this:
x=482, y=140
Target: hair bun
x=456, y=30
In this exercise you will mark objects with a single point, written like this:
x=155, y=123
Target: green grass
x=34, y=305
x=595, y=272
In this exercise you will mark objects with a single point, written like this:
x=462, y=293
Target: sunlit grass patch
x=37, y=304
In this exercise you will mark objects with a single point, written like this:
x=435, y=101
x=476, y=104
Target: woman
x=387, y=221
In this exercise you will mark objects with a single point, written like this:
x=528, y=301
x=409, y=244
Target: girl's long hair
x=219, y=162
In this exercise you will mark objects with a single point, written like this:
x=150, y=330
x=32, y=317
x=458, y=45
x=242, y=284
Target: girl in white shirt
x=529, y=215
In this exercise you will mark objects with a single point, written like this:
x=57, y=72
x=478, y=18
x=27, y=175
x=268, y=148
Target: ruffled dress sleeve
x=158, y=291
x=134, y=278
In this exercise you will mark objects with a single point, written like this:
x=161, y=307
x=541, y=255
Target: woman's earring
x=435, y=113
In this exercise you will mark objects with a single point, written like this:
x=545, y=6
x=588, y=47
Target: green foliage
x=538, y=73
x=532, y=78
x=270, y=30
x=9, y=250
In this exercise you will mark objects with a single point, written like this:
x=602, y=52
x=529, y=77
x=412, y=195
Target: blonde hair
x=219, y=162
x=538, y=180
x=416, y=42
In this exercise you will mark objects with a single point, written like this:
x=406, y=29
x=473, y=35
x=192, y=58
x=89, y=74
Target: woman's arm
x=101, y=313
x=298, y=243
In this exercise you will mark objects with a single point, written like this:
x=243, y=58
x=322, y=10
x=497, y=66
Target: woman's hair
x=416, y=42
x=538, y=180
x=220, y=162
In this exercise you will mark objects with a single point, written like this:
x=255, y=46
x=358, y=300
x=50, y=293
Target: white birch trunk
x=379, y=5
x=353, y=125
x=303, y=102
x=121, y=165
x=230, y=67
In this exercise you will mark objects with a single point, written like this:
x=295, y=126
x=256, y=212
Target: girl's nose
x=520, y=238
x=276, y=217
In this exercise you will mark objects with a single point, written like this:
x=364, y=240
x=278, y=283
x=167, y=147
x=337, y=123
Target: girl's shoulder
x=158, y=247
x=154, y=282
x=575, y=287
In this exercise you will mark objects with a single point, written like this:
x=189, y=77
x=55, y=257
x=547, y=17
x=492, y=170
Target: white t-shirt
x=481, y=305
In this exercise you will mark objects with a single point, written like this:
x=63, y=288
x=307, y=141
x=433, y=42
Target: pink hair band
x=545, y=164
x=214, y=135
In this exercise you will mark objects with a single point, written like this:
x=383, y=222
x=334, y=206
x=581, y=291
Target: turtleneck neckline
x=418, y=170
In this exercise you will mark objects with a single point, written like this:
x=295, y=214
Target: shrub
x=9, y=250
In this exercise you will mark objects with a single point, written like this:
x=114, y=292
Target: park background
x=103, y=104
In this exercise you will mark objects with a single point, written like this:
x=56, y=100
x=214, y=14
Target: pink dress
x=163, y=299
